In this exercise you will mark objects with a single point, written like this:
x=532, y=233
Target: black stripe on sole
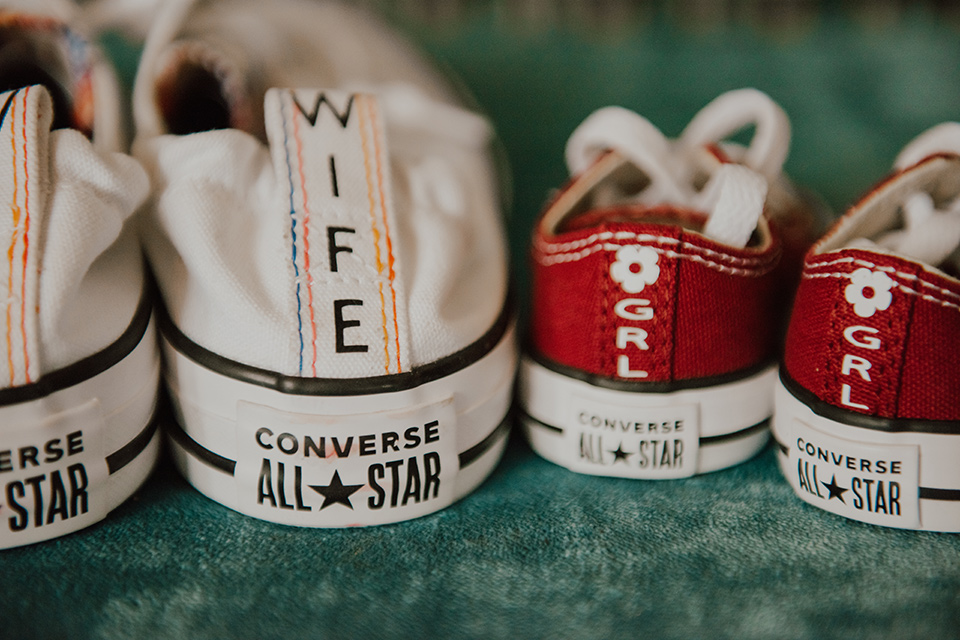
x=129, y=452
x=926, y=493
x=854, y=419
x=198, y=451
x=228, y=466
x=947, y=495
x=634, y=386
x=470, y=455
x=705, y=441
x=296, y=385
x=92, y=365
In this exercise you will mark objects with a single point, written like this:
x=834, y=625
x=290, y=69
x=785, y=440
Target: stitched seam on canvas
x=897, y=391
x=26, y=244
x=376, y=231
x=15, y=212
x=675, y=298
x=293, y=233
x=306, y=241
x=548, y=261
x=386, y=224
x=890, y=270
x=565, y=247
x=897, y=285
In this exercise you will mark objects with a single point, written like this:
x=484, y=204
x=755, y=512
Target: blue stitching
x=293, y=231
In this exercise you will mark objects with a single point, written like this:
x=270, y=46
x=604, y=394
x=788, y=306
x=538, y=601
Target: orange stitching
x=26, y=243
x=306, y=240
x=15, y=210
x=361, y=102
x=386, y=227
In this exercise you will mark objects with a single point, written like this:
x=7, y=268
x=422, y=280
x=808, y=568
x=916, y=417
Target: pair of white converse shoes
x=322, y=219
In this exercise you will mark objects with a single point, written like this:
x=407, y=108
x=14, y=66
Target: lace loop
x=735, y=110
x=734, y=194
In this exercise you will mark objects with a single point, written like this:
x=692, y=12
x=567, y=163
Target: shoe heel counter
x=589, y=316
x=866, y=334
x=930, y=377
x=652, y=305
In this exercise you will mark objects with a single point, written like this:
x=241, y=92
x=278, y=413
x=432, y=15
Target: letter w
x=311, y=117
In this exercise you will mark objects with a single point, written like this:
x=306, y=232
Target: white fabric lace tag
x=330, y=156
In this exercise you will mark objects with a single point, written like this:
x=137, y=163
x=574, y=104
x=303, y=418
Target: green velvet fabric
x=539, y=552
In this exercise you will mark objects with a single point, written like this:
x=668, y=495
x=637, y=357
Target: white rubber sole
x=71, y=456
x=611, y=432
x=340, y=460
x=898, y=477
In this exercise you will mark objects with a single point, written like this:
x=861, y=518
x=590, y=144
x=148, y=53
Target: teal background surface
x=539, y=552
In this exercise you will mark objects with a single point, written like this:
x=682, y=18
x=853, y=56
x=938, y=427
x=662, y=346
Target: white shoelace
x=930, y=234
x=734, y=194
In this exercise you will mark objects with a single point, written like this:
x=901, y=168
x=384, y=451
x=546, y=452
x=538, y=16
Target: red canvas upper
x=705, y=309
x=873, y=332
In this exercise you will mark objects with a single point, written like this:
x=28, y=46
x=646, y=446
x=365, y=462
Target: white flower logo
x=875, y=283
x=635, y=268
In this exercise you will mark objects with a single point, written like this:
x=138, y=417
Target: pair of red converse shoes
x=662, y=276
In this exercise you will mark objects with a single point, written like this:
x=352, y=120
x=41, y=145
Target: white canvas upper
x=238, y=231
x=79, y=364
x=72, y=274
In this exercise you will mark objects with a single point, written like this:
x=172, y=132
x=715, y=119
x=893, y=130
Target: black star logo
x=834, y=489
x=336, y=491
x=620, y=454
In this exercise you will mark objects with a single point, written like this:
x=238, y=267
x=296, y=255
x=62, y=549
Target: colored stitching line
x=293, y=232
x=372, y=106
x=553, y=248
x=871, y=265
x=306, y=240
x=901, y=287
x=26, y=243
x=15, y=212
x=3, y=116
x=574, y=257
x=361, y=104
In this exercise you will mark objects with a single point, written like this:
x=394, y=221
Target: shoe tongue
x=732, y=200
x=929, y=234
x=670, y=171
x=943, y=138
x=930, y=231
x=734, y=196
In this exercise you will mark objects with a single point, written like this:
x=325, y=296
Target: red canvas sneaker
x=657, y=278
x=868, y=405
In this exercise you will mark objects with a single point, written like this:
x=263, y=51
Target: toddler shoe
x=658, y=277
x=868, y=404
x=325, y=230
x=79, y=368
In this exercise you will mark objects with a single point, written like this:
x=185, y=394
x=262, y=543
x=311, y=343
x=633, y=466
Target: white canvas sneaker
x=79, y=364
x=325, y=229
